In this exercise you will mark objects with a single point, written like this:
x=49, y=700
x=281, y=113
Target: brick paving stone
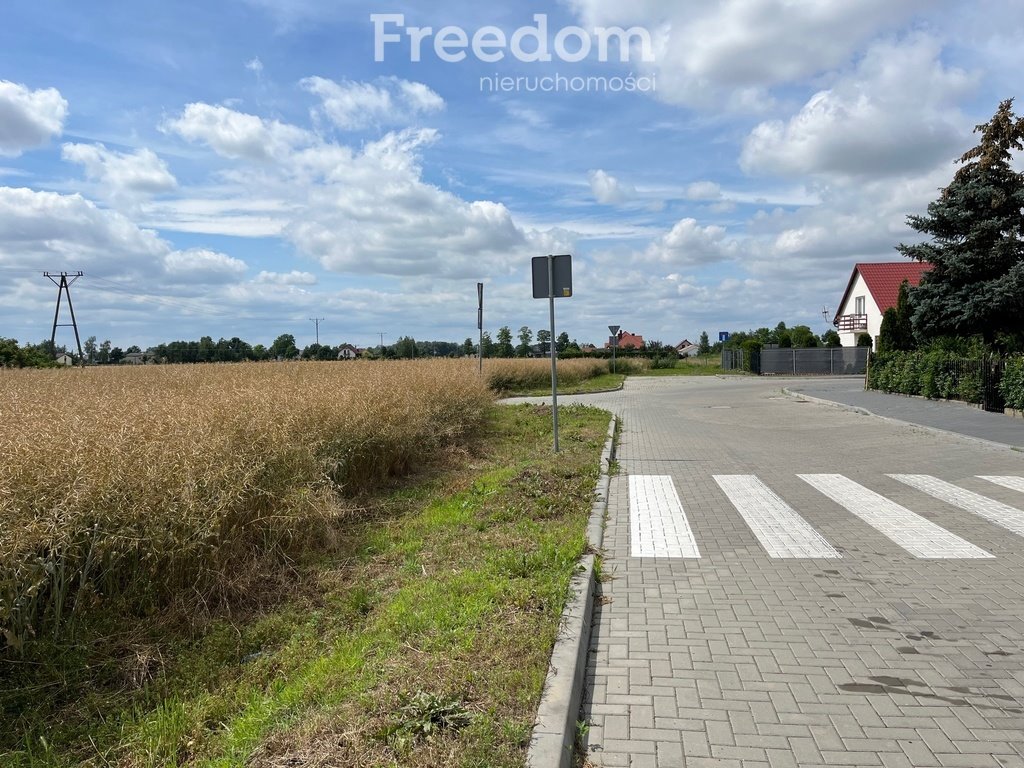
x=877, y=658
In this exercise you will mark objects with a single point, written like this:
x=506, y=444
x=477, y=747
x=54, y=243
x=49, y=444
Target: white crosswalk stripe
x=916, y=534
x=781, y=531
x=658, y=524
x=1007, y=481
x=1010, y=518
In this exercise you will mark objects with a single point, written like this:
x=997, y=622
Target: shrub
x=631, y=365
x=751, y=355
x=519, y=375
x=934, y=373
x=1012, y=385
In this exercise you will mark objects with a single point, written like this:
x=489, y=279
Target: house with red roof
x=627, y=340
x=872, y=289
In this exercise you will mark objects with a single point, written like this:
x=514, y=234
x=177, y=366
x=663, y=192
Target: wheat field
x=140, y=484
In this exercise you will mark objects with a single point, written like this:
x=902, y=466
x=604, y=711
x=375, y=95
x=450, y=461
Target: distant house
x=347, y=352
x=540, y=350
x=134, y=358
x=687, y=348
x=588, y=348
x=65, y=359
x=627, y=340
x=872, y=289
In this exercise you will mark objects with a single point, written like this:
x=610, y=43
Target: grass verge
x=419, y=636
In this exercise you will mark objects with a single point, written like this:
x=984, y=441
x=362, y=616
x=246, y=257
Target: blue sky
x=238, y=167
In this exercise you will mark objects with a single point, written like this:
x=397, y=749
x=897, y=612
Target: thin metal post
x=74, y=322
x=480, y=325
x=554, y=368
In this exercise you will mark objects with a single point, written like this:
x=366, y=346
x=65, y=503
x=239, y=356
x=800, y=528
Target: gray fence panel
x=837, y=361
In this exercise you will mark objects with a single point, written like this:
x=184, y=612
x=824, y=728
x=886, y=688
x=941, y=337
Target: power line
x=171, y=302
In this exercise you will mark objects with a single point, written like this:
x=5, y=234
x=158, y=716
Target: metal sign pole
x=480, y=325
x=614, y=341
x=551, y=350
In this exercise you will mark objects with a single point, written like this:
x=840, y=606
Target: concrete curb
x=554, y=730
x=934, y=430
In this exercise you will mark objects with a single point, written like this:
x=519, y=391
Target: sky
x=241, y=167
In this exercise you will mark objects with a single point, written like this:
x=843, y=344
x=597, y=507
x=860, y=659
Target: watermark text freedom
x=491, y=44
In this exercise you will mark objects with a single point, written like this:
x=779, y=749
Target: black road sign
x=562, y=277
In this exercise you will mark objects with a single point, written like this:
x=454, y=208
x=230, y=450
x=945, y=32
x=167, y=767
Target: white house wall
x=860, y=288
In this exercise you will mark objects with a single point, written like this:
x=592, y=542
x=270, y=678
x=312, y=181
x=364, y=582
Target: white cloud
x=122, y=175
x=255, y=65
x=199, y=265
x=369, y=211
x=607, y=189
x=286, y=278
x=29, y=118
x=895, y=114
x=391, y=101
x=688, y=243
x=234, y=216
x=238, y=135
x=703, y=190
x=44, y=229
x=729, y=52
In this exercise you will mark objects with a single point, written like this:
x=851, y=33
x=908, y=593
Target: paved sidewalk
x=890, y=636
x=950, y=415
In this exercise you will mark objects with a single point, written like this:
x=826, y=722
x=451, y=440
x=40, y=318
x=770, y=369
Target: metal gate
x=991, y=376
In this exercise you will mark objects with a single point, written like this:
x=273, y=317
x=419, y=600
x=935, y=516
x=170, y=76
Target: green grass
x=419, y=637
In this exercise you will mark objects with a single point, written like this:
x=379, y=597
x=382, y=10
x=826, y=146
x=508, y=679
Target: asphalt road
x=953, y=416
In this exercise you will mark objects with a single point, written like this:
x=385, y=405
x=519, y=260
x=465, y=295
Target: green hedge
x=751, y=356
x=932, y=373
x=1012, y=385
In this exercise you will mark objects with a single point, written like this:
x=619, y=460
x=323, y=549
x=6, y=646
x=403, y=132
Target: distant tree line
x=799, y=336
x=13, y=355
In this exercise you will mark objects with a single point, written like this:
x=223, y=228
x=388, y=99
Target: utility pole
x=316, y=321
x=381, y=334
x=64, y=287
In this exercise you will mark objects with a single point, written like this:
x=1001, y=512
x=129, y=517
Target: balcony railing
x=852, y=323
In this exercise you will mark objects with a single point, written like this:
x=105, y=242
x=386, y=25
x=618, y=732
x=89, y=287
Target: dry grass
x=143, y=484
x=517, y=375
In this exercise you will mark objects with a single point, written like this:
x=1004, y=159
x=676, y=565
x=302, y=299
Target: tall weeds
x=517, y=375
x=138, y=484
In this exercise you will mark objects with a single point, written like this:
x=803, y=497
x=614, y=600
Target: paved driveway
x=796, y=585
